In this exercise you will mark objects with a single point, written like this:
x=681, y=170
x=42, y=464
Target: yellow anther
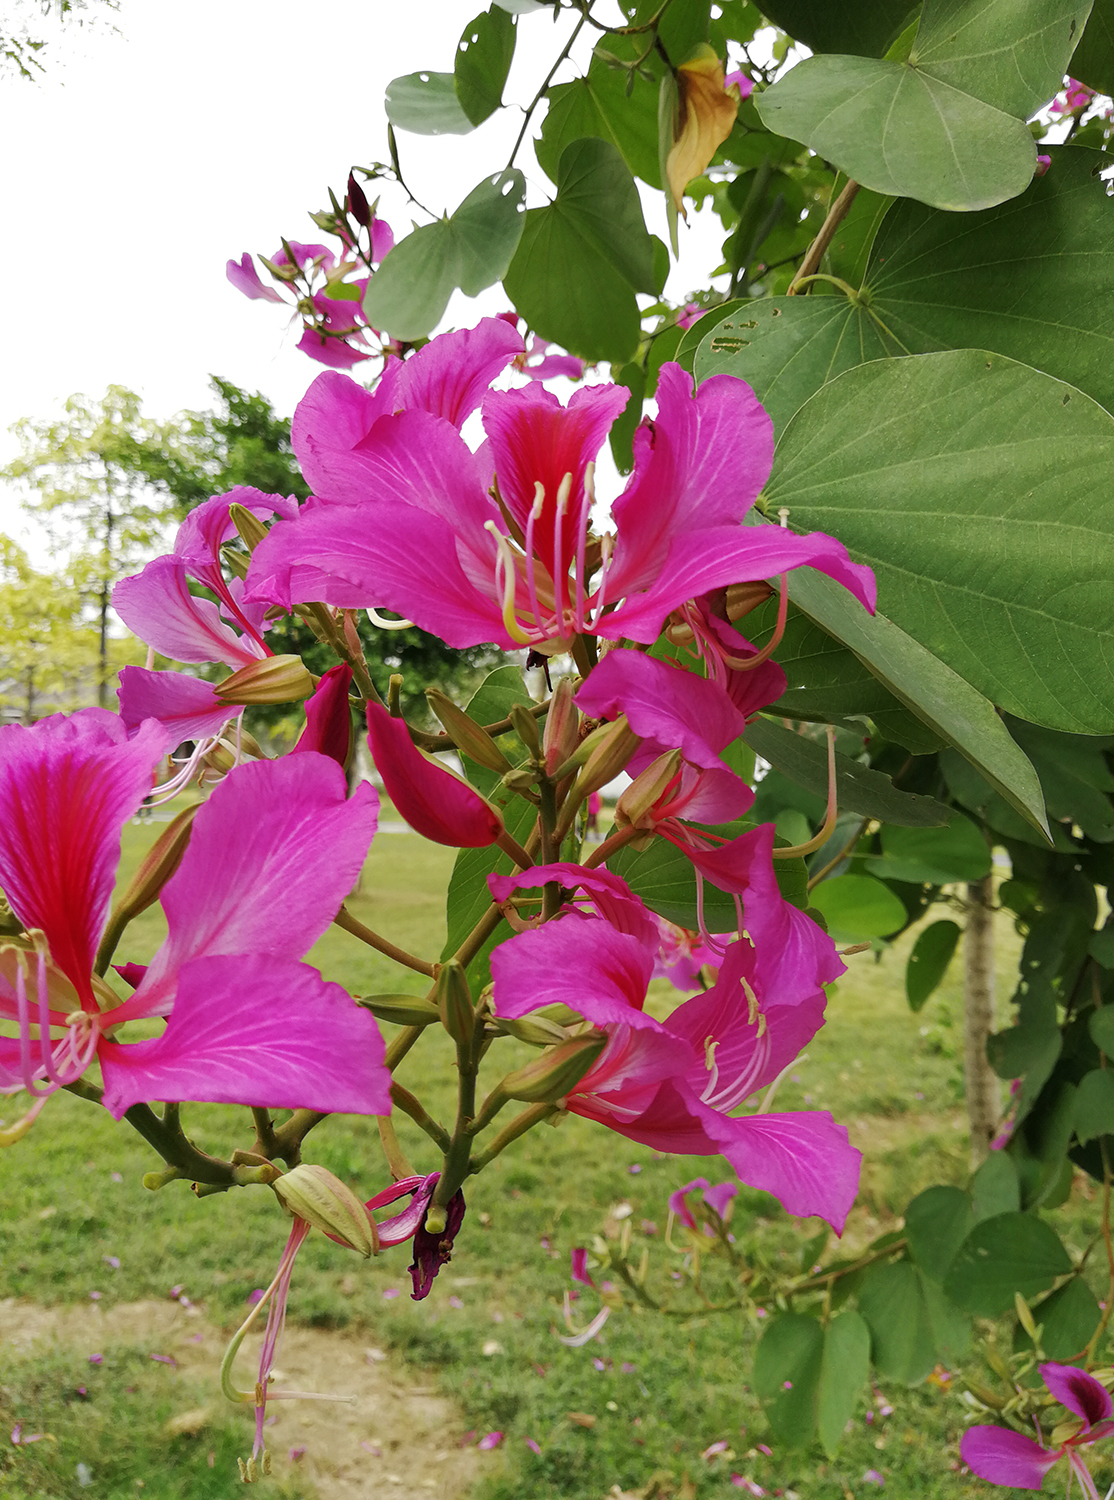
x=564, y=490
x=539, y=499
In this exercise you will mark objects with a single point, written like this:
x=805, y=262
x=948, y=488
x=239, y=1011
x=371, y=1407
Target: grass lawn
x=661, y=1389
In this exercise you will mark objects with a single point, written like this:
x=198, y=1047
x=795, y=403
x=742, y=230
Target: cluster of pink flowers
x=492, y=545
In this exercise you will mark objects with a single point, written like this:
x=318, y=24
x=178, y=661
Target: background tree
x=21, y=42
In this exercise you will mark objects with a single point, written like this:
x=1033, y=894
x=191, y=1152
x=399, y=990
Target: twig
x=842, y=855
x=540, y=95
x=349, y=923
x=413, y=1107
x=815, y=252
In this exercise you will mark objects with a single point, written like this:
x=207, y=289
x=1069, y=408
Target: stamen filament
x=384, y=624
x=820, y=839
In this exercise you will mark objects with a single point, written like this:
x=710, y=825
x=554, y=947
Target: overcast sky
x=147, y=157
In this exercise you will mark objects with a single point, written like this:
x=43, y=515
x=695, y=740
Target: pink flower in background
x=669, y=1084
x=248, y=1023
x=1075, y=96
x=1003, y=1456
x=404, y=518
x=717, y=1198
x=690, y=314
x=681, y=956
x=745, y=84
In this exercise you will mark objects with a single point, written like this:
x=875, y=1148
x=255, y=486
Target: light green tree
x=88, y=476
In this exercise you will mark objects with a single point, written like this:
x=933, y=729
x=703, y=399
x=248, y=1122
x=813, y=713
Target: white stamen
x=539, y=500
x=384, y=624
x=564, y=490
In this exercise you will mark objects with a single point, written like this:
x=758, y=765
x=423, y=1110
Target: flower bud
x=222, y=757
x=314, y=1194
x=553, y=1075
x=647, y=789
x=562, y=724
x=357, y=203
x=526, y=727
x=329, y=718
x=250, y=527
x=602, y=756
x=403, y=1010
x=520, y=780
x=534, y=1029
x=454, y=1001
x=273, y=679
x=469, y=736
x=163, y=858
x=235, y=561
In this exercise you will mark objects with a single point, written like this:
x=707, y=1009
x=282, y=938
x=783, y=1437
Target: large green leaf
x=946, y=702
x=928, y=962
x=995, y=1188
x=892, y=1302
x=483, y=60
x=933, y=856
x=1012, y=53
x=844, y=1368
x=787, y=1367
x=426, y=104
x=900, y=131
x=865, y=28
x=1003, y=1255
x=860, y=790
x=1093, y=62
x=937, y=1222
x=786, y=348
x=977, y=489
x=598, y=105
x=1094, y=1105
x=408, y=295
x=1032, y=278
x=1067, y=1319
x=858, y=907
x=582, y=258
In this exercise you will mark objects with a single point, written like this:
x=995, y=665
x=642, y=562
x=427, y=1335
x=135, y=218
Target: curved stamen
x=531, y=519
x=748, y=664
x=607, y=551
x=586, y=506
x=505, y=567
x=560, y=567
x=23, y=1021
x=831, y=816
x=377, y=619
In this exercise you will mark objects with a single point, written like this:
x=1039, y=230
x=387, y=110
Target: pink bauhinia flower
x=1004, y=1456
x=717, y=1198
x=669, y=1084
x=157, y=606
x=436, y=803
x=407, y=517
x=248, y=1023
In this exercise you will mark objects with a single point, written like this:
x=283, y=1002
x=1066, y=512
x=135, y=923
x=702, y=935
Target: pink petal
x=746, y=85
x=579, y=1271
x=67, y=786
x=382, y=239
x=436, y=803
x=610, y=894
x=336, y=353
x=450, y=376
x=157, y=606
x=1006, y=1457
x=1078, y=1391
x=577, y=961
x=188, y=708
x=245, y=278
x=698, y=466
x=679, y=1206
x=535, y=440
x=702, y=559
x=259, y=1030
x=272, y=855
x=489, y=1440
x=750, y=1050
x=209, y=525
x=303, y=254
x=329, y=717
x=625, y=1076
x=717, y=1198
x=664, y=704
x=333, y=417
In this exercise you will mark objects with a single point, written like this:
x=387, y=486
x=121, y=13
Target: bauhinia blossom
x=669, y=1084
x=1004, y=1456
x=272, y=854
x=495, y=546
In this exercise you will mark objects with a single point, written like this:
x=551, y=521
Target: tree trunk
x=106, y=594
x=983, y=1090
x=29, y=700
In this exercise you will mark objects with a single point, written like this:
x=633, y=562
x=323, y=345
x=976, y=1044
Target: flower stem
x=349, y=923
x=815, y=252
x=517, y=1127
x=411, y=1106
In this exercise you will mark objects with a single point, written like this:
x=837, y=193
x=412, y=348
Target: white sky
x=145, y=159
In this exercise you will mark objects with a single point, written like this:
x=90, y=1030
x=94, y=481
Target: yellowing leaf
x=706, y=112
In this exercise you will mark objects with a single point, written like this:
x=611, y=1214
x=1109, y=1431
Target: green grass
x=893, y=1077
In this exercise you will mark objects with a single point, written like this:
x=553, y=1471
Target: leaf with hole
x=483, y=60
x=426, y=104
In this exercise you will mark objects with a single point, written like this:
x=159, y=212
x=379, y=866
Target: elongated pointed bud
x=533, y=1029
x=403, y=1010
x=647, y=789
x=562, y=724
x=611, y=747
x=526, y=727
x=357, y=203
x=235, y=561
x=273, y=679
x=470, y=737
x=159, y=864
x=436, y=802
x=222, y=757
x=554, y=1074
x=454, y=1002
x=1025, y=1316
x=329, y=717
x=251, y=528
x=313, y=1193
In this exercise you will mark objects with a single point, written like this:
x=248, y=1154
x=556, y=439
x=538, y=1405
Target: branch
x=349, y=923
x=815, y=253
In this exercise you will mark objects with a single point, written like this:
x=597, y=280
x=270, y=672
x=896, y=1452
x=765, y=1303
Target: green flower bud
x=313, y=1193
x=454, y=1001
x=562, y=726
x=556, y=1073
x=526, y=727
x=274, y=679
x=251, y=528
x=403, y=1010
x=470, y=737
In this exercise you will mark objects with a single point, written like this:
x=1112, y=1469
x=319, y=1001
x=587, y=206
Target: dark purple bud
x=357, y=203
